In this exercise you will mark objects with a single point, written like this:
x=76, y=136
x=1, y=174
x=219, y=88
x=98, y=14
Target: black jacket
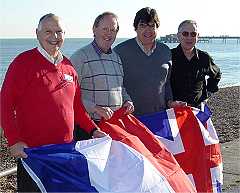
x=192, y=80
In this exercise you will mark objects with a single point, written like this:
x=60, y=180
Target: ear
x=37, y=32
x=94, y=30
x=178, y=36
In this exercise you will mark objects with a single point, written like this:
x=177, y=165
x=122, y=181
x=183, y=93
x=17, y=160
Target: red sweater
x=41, y=101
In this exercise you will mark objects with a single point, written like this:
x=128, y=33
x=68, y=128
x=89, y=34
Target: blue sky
x=19, y=18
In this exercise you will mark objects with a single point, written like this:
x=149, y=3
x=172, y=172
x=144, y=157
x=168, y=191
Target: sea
x=226, y=54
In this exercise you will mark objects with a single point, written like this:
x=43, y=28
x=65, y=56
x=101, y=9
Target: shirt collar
x=195, y=51
x=50, y=58
x=98, y=50
x=142, y=47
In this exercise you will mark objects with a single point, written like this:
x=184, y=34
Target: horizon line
x=222, y=36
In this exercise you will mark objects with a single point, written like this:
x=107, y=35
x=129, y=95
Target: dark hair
x=101, y=16
x=146, y=15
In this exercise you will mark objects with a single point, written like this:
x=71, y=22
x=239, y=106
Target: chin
x=188, y=47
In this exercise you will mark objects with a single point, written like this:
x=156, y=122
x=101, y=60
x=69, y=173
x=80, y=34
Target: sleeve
x=214, y=74
x=9, y=96
x=89, y=105
x=81, y=116
x=77, y=61
x=125, y=95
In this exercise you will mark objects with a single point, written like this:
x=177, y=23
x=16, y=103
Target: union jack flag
x=189, y=134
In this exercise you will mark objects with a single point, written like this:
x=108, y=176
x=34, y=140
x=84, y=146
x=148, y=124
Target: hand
x=173, y=104
x=16, y=150
x=98, y=133
x=129, y=107
x=104, y=112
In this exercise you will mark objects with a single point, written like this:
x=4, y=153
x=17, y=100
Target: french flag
x=188, y=133
x=131, y=159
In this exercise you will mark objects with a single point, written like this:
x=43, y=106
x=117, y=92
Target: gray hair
x=187, y=22
x=101, y=16
x=45, y=17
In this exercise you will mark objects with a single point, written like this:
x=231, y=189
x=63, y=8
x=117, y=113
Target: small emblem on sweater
x=68, y=78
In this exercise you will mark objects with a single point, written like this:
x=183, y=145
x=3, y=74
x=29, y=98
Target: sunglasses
x=192, y=34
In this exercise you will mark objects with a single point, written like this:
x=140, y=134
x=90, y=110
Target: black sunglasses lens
x=185, y=33
x=193, y=34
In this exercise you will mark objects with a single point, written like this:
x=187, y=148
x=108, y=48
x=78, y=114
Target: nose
x=55, y=35
x=108, y=32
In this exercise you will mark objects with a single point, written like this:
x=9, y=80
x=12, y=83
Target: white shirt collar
x=50, y=58
x=142, y=47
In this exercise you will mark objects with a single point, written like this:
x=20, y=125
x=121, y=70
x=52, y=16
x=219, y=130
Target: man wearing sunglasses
x=191, y=67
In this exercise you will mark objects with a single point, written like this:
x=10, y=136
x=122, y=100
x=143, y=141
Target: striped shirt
x=101, y=78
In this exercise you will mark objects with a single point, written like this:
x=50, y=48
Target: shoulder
x=124, y=45
x=82, y=51
x=162, y=45
x=26, y=57
x=203, y=53
x=81, y=54
x=177, y=51
x=205, y=57
x=23, y=62
x=163, y=48
x=28, y=54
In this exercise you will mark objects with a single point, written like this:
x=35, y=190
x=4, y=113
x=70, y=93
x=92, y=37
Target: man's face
x=147, y=33
x=105, y=33
x=50, y=36
x=188, y=36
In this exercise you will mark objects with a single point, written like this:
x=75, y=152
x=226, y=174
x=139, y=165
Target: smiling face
x=50, y=35
x=188, y=36
x=105, y=32
x=147, y=33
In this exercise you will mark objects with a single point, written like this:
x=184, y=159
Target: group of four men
x=44, y=95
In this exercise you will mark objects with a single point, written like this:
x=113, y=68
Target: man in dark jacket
x=194, y=75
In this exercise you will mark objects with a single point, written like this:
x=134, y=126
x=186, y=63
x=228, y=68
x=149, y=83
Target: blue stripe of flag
x=204, y=115
x=55, y=171
x=158, y=123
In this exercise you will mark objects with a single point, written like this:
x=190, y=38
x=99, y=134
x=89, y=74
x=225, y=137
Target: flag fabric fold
x=189, y=134
x=130, y=159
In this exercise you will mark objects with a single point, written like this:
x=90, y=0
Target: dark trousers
x=79, y=134
x=24, y=181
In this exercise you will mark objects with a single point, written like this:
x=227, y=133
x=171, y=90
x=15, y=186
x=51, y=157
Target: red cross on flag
x=189, y=134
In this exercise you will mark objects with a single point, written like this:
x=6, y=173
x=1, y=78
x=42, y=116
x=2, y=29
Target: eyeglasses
x=192, y=34
x=144, y=25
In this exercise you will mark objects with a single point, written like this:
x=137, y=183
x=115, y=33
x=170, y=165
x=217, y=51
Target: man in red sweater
x=40, y=98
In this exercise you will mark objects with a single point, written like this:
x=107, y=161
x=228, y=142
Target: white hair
x=194, y=23
x=47, y=16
